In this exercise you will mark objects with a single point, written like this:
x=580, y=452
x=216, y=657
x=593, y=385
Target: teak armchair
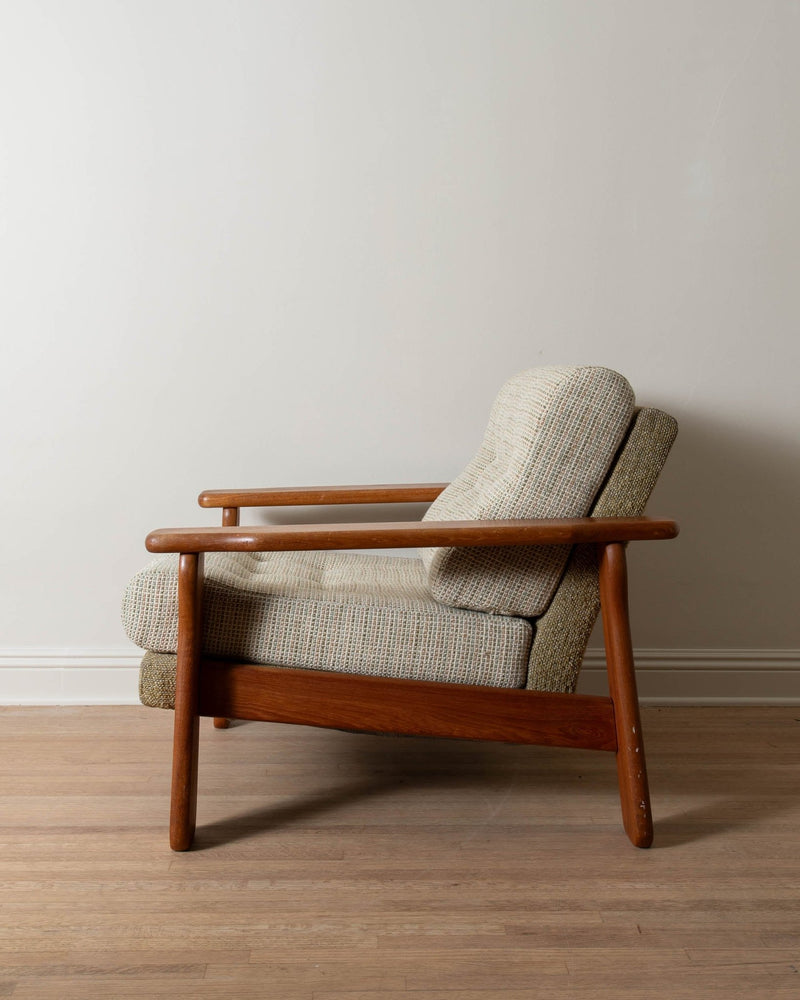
x=500, y=607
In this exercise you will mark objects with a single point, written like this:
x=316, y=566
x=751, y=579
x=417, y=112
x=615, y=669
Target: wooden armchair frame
x=222, y=690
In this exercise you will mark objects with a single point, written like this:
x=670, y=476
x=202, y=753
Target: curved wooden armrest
x=319, y=495
x=410, y=534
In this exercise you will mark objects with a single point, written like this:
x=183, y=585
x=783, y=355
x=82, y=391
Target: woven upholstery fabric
x=361, y=614
x=563, y=631
x=552, y=435
x=157, y=674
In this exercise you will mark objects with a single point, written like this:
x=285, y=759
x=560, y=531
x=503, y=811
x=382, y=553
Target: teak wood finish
x=409, y=534
x=320, y=495
x=412, y=708
x=631, y=770
x=187, y=729
x=224, y=690
x=230, y=519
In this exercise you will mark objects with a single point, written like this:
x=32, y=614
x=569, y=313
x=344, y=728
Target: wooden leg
x=183, y=809
x=631, y=769
x=220, y=723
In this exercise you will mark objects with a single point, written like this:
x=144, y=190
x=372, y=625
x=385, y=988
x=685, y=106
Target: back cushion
x=552, y=435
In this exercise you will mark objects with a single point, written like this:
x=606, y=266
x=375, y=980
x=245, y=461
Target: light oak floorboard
x=332, y=866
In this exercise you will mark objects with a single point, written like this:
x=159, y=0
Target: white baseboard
x=48, y=676
x=705, y=676
x=53, y=676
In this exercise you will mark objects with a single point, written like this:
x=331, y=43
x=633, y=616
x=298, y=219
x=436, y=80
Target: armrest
x=410, y=534
x=296, y=496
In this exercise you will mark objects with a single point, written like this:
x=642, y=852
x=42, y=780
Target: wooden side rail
x=320, y=495
x=413, y=708
x=410, y=534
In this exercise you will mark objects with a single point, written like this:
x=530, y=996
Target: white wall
x=271, y=243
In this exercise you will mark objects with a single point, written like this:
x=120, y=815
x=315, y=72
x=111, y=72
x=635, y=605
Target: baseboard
x=705, y=676
x=50, y=676
x=53, y=676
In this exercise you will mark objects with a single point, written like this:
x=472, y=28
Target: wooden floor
x=343, y=867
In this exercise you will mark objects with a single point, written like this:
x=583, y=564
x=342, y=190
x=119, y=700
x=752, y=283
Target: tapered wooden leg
x=183, y=809
x=631, y=770
x=220, y=723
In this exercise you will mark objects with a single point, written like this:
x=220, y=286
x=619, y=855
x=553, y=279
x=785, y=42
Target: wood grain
x=415, y=534
x=413, y=708
x=230, y=517
x=183, y=808
x=631, y=768
x=333, y=865
x=321, y=495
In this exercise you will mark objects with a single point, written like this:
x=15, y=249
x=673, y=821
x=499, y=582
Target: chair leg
x=183, y=806
x=631, y=769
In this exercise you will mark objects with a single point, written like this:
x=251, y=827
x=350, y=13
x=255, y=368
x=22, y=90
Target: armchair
x=480, y=638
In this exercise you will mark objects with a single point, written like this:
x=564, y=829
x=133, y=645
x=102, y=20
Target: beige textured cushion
x=552, y=435
x=363, y=614
x=563, y=631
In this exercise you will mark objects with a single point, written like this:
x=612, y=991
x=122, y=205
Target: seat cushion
x=363, y=614
x=552, y=435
